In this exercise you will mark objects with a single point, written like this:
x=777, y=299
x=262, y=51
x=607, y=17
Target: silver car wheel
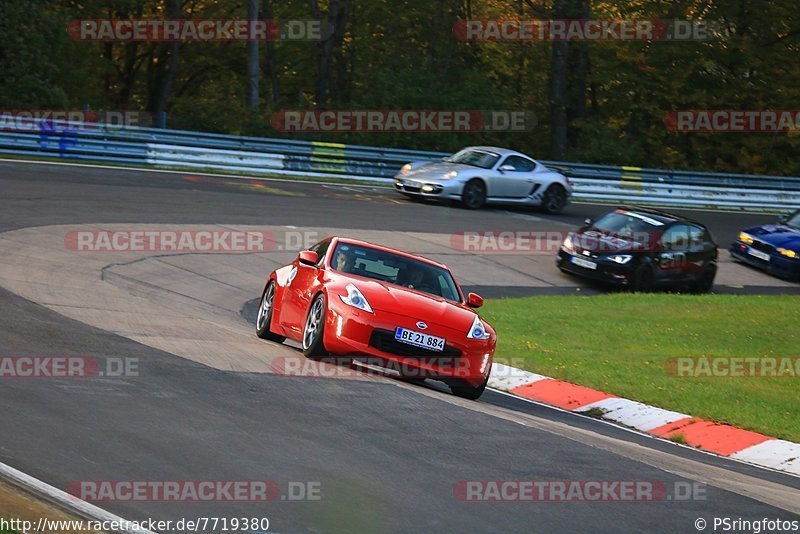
x=266, y=306
x=312, y=324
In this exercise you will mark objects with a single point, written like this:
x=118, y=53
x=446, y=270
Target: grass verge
x=621, y=344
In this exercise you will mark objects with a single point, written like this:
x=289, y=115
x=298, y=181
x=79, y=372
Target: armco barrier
x=199, y=151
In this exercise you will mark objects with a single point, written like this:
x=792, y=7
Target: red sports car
x=357, y=300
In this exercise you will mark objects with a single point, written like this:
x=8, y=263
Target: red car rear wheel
x=265, y=315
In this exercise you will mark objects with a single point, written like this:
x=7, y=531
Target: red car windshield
x=395, y=269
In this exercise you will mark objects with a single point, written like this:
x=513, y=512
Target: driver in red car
x=413, y=277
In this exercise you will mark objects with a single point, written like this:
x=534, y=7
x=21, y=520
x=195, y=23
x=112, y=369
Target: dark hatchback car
x=772, y=247
x=640, y=248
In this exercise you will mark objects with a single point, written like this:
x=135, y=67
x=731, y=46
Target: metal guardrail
x=180, y=149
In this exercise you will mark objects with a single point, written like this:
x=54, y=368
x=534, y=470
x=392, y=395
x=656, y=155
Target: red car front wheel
x=466, y=391
x=314, y=331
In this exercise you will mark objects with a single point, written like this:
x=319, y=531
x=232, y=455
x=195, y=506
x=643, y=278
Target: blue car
x=772, y=247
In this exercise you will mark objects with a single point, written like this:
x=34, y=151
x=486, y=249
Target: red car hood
x=387, y=297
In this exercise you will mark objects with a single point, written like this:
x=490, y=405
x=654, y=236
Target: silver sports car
x=479, y=175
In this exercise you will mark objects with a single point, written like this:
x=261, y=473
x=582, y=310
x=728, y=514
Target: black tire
x=473, y=196
x=417, y=381
x=554, y=199
x=264, y=319
x=465, y=391
x=313, y=341
x=705, y=281
x=644, y=279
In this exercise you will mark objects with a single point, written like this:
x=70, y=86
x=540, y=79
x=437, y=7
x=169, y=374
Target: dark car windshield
x=476, y=158
x=627, y=224
x=794, y=220
x=394, y=269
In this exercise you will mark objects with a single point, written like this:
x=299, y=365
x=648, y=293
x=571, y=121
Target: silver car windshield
x=476, y=158
x=395, y=269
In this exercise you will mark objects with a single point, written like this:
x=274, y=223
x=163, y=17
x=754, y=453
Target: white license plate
x=758, y=254
x=586, y=264
x=418, y=339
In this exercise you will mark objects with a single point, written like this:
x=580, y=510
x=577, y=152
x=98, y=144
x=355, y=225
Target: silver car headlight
x=478, y=330
x=356, y=299
x=450, y=175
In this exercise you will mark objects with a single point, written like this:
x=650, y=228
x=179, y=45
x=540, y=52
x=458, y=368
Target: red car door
x=297, y=296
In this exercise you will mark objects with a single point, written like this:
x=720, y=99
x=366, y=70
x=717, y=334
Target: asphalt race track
x=207, y=403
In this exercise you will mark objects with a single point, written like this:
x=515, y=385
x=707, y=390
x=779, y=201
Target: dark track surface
x=387, y=457
x=52, y=194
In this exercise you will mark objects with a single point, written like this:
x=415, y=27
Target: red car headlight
x=356, y=299
x=478, y=330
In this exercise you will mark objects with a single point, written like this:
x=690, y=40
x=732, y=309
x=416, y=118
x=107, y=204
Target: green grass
x=620, y=344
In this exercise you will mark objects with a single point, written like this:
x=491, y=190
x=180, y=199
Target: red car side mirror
x=474, y=300
x=308, y=257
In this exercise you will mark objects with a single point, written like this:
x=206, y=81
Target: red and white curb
x=720, y=439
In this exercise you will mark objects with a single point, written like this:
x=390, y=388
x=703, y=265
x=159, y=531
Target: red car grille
x=384, y=340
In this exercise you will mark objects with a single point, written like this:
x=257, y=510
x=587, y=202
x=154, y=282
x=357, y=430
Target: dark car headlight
x=745, y=238
x=568, y=245
x=622, y=259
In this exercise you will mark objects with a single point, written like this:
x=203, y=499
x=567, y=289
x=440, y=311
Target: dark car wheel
x=474, y=195
x=644, y=279
x=705, y=281
x=265, y=315
x=314, y=331
x=554, y=199
x=466, y=391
